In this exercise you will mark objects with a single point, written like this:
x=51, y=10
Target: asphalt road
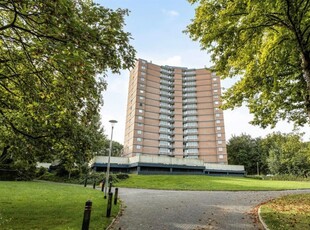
x=169, y=210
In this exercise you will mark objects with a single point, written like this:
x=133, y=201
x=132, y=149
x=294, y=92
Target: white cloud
x=170, y=13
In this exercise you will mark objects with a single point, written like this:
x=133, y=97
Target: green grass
x=207, y=183
x=288, y=212
x=39, y=205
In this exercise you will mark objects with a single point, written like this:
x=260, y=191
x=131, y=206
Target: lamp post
x=108, y=166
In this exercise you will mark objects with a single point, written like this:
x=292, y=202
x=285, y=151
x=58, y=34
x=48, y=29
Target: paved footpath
x=191, y=210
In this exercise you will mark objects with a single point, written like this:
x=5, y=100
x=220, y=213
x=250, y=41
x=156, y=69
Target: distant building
x=174, y=111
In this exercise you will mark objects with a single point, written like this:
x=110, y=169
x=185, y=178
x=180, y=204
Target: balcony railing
x=189, y=101
x=190, y=89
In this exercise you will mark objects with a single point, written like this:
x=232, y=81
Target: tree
x=51, y=55
x=117, y=149
x=266, y=44
x=287, y=154
x=245, y=150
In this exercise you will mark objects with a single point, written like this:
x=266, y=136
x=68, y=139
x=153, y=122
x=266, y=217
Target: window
x=216, y=102
x=139, y=131
x=141, y=98
x=141, y=91
x=220, y=149
x=217, y=115
x=142, y=73
x=139, y=139
x=138, y=147
x=219, y=142
x=142, y=79
x=140, y=111
x=215, y=91
x=140, y=124
x=140, y=117
x=143, y=67
x=221, y=156
x=214, y=79
x=142, y=85
x=219, y=135
x=216, y=96
x=140, y=104
x=218, y=121
x=218, y=128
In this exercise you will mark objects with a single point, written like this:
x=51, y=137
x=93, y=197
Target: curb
x=117, y=216
x=261, y=219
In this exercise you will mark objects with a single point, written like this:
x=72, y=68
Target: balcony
x=166, y=124
x=167, y=94
x=190, y=131
x=190, y=89
x=168, y=77
x=165, y=82
x=167, y=99
x=166, y=118
x=187, y=84
x=166, y=111
x=189, y=79
x=165, y=131
x=191, y=125
x=166, y=88
x=169, y=139
x=165, y=146
x=190, y=106
x=189, y=101
x=189, y=73
x=189, y=95
x=166, y=105
x=190, y=113
x=189, y=119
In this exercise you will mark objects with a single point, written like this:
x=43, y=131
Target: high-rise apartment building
x=174, y=111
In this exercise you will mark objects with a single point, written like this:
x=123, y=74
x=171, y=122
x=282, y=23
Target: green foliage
x=287, y=154
x=278, y=154
x=117, y=149
x=266, y=44
x=54, y=56
x=79, y=178
x=245, y=150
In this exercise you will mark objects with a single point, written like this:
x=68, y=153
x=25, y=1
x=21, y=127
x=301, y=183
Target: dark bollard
x=110, y=187
x=109, y=207
x=115, y=196
x=102, y=185
x=87, y=211
x=85, y=182
x=94, y=185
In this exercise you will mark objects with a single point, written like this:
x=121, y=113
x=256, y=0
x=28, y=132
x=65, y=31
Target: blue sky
x=157, y=30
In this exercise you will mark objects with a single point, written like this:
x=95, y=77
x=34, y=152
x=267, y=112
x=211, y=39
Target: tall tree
x=51, y=55
x=245, y=150
x=267, y=44
x=287, y=154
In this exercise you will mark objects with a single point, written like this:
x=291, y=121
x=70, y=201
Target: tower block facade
x=174, y=111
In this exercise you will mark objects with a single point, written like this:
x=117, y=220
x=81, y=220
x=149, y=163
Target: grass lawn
x=288, y=212
x=40, y=205
x=207, y=183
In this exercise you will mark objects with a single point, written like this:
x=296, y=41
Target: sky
x=156, y=27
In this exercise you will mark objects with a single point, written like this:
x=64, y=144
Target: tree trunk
x=306, y=75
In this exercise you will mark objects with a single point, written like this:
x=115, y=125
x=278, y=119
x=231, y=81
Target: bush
x=41, y=171
x=286, y=177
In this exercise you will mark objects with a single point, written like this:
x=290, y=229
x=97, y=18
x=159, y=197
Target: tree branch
x=15, y=129
x=14, y=19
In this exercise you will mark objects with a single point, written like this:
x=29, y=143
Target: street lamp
x=108, y=166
